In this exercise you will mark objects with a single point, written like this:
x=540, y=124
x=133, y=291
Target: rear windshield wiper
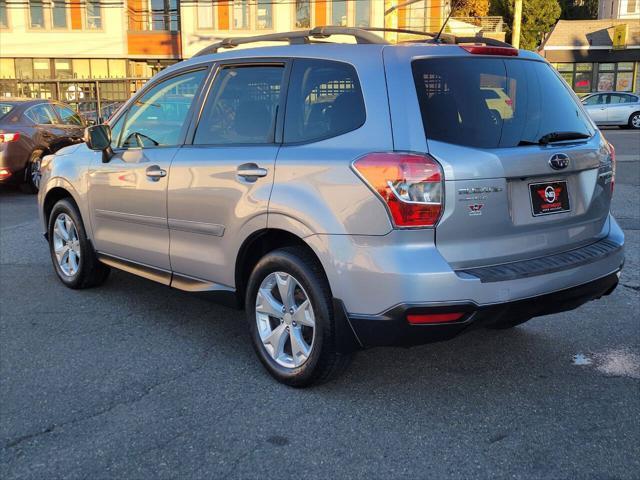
x=556, y=137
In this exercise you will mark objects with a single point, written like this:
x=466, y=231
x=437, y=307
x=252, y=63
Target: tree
x=470, y=8
x=579, y=9
x=538, y=16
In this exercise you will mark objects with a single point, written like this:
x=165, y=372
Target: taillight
x=487, y=50
x=411, y=185
x=9, y=137
x=613, y=166
x=421, y=319
x=4, y=173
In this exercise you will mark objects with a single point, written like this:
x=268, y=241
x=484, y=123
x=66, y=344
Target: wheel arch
x=53, y=196
x=256, y=246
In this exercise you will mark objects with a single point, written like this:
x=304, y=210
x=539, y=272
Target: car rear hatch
x=526, y=173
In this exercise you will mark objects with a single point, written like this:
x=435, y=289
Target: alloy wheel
x=635, y=121
x=35, y=172
x=285, y=320
x=66, y=245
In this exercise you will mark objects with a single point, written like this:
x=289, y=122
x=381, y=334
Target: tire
x=80, y=267
x=300, y=269
x=32, y=172
x=634, y=120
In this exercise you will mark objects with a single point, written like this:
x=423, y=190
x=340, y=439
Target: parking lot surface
x=135, y=380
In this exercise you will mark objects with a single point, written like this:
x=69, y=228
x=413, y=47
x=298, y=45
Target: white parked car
x=614, y=108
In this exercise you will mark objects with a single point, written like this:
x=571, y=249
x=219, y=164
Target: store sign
x=620, y=36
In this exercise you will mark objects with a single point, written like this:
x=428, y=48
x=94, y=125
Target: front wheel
x=634, y=120
x=290, y=316
x=71, y=251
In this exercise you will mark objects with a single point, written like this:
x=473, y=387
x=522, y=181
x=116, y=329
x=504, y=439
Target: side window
x=242, y=106
x=68, y=116
x=594, y=100
x=324, y=100
x=42, y=114
x=618, y=98
x=157, y=118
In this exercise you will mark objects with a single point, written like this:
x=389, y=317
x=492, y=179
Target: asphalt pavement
x=135, y=380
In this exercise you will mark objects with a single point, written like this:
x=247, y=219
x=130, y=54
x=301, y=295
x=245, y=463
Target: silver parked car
x=346, y=195
x=614, y=108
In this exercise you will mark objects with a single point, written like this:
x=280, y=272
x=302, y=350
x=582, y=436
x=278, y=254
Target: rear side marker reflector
x=421, y=319
x=485, y=50
x=411, y=186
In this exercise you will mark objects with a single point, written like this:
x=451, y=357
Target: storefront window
x=99, y=68
x=62, y=68
x=81, y=68
x=24, y=68
x=41, y=68
x=117, y=68
x=264, y=15
x=7, y=68
x=624, y=82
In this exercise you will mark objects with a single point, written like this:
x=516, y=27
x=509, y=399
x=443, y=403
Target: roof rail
x=296, y=38
x=447, y=38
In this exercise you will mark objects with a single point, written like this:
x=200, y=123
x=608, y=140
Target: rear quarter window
x=324, y=100
x=458, y=106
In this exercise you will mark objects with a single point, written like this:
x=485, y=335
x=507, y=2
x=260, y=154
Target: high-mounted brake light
x=411, y=186
x=488, y=50
x=9, y=137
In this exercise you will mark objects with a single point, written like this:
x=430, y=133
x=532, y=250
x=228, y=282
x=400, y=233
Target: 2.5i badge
x=549, y=198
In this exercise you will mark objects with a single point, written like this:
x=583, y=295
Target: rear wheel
x=290, y=316
x=72, y=254
x=32, y=172
x=634, y=120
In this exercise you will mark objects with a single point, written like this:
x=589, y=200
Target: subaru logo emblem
x=559, y=161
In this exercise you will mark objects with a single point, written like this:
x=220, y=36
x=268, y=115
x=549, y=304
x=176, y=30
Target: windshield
x=494, y=102
x=5, y=108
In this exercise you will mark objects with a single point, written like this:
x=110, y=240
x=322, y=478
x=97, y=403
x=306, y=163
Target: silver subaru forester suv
x=346, y=195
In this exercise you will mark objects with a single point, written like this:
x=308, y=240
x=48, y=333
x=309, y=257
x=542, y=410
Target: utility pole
x=517, y=18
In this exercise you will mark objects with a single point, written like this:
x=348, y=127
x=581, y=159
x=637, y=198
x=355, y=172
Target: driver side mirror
x=98, y=138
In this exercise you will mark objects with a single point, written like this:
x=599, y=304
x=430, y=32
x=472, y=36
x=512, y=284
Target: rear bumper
x=392, y=328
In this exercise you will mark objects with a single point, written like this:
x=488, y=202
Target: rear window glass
x=324, y=100
x=5, y=108
x=494, y=102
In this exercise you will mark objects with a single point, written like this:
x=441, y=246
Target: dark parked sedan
x=30, y=129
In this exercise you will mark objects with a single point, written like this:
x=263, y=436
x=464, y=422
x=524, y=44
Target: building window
x=241, y=12
x=81, y=68
x=42, y=68
x=36, y=14
x=24, y=68
x=156, y=15
x=363, y=13
x=62, y=68
x=303, y=14
x=339, y=13
x=205, y=15
x=264, y=15
x=4, y=20
x=94, y=15
x=58, y=14
x=632, y=6
x=7, y=68
x=583, y=77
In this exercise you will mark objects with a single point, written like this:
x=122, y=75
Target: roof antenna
x=444, y=24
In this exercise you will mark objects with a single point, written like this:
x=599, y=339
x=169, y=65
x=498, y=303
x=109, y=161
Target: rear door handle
x=155, y=172
x=251, y=171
